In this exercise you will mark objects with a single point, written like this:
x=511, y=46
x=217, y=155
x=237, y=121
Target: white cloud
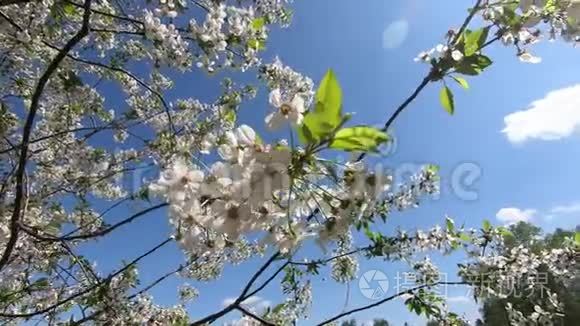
x=255, y=303
x=566, y=209
x=511, y=215
x=553, y=117
x=395, y=34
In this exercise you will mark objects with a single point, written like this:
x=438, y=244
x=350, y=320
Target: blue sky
x=536, y=179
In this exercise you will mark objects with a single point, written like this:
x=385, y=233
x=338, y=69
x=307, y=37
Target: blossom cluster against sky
x=518, y=124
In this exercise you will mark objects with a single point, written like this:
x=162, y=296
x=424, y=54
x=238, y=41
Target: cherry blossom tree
x=227, y=193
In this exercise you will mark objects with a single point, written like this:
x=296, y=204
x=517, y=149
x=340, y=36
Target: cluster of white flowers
x=426, y=272
x=187, y=293
x=499, y=275
x=170, y=48
x=287, y=81
x=144, y=311
x=345, y=267
x=228, y=29
x=560, y=18
x=438, y=52
x=274, y=10
x=296, y=306
x=169, y=8
x=542, y=316
x=234, y=197
x=404, y=245
x=408, y=194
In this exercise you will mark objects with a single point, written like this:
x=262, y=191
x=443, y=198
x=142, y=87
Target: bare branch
x=211, y=318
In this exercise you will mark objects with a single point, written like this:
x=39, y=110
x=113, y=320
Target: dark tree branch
x=163, y=278
x=254, y=316
x=35, y=233
x=270, y=279
x=466, y=21
x=34, y=103
x=428, y=78
x=211, y=318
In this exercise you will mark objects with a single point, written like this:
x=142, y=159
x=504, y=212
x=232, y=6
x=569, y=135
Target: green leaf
x=486, y=226
x=446, y=99
x=326, y=116
x=329, y=99
x=473, y=65
x=314, y=128
x=304, y=134
x=461, y=81
x=577, y=239
x=258, y=23
x=230, y=116
x=465, y=237
x=474, y=40
x=482, y=61
x=359, y=138
x=68, y=8
x=450, y=224
x=257, y=44
x=505, y=232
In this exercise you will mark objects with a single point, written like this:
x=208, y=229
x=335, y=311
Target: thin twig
x=163, y=278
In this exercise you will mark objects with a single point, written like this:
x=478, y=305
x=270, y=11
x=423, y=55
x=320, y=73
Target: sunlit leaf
x=329, y=99
x=258, y=23
x=450, y=224
x=486, y=226
x=360, y=138
x=473, y=65
x=474, y=40
x=461, y=81
x=446, y=99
